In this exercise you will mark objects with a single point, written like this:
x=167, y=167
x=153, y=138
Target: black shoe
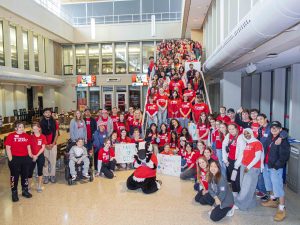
x=26, y=194
x=14, y=196
x=265, y=198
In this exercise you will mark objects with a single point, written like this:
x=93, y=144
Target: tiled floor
x=109, y=202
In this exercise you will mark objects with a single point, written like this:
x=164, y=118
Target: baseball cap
x=276, y=124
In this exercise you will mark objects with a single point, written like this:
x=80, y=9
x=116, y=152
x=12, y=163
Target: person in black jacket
x=276, y=156
x=91, y=127
x=191, y=73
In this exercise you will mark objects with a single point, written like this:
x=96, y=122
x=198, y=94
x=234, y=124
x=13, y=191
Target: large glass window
x=148, y=50
x=25, y=50
x=68, y=60
x=107, y=60
x=94, y=59
x=134, y=57
x=36, y=53
x=13, y=46
x=2, y=59
x=120, y=56
x=80, y=60
x=134, y=97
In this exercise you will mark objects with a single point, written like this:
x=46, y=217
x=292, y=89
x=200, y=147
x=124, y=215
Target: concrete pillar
x=2, y=102
x=295, y=102
x=6, y=39
x=265, y=96
x=246, y=90
x=255, y=91
x=279, y=95
x=41, y=54
x=20, y=48
x=231, y=89
x=49, y=97
x=31, y=53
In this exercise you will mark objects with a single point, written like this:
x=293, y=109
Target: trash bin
x=293, y=175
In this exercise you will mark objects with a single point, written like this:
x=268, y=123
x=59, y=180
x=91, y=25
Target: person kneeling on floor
x=144, y=176
x=78, y=155
x=106, y=160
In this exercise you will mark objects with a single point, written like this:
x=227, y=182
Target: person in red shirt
x=190, y=93
x=222, y=116
x=250, y=169
x=176, y=82
x=37, y=143
x=198, y=108
x=189, y=169
x=19, y=156
x=167, y=150
x=121, y=124
x=151, y=136
x=129, y=117
x=175, y=126
x=174, y=141
x=114, y=117
x=185, y=111
x=201, y=184
x=151, y=110
x=123, y=138
x=173, y=106
x=203, y=127
x=163, y=137
x=136, y=136
x=185, y=133
x=162, y=104
x=106, y=160
x=136, y=122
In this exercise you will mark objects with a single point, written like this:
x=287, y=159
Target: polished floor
x=109, y=202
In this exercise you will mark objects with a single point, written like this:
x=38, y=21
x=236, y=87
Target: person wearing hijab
x=251, y=164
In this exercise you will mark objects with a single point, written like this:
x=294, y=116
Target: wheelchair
x=78, y=168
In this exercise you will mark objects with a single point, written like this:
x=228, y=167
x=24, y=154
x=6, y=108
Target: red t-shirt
x=119, y=127
x=224, y=119
x=203, y=178
x=162, y=100
x=173, y=144
x=136, y=123
x=36, y=143
x=178, y=130
x=198, y=108
x=151, y=108
x=173, y=108
x=255, y=127
x=18, y=143
x=115, y=119
x=144, y=171
x=219, y=140
x=190, y=159
x=104, y=122
x=185, y=107
x=191, y=94
x=129, y=118
x=136, y=141
x=49, y=136
x=249, y=153
x=166, y=153
x=202, y=130
x=178, y=83
x=163, y=139
x=105, y=156
x=124, y=141
x=232, y=147
x=88, y=129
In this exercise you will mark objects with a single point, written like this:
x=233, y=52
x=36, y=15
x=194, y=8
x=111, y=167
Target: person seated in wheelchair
x=77, y=156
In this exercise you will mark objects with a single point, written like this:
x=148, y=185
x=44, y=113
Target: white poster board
x=197, y=65
x=125, y=153
x=192, y=127
x=169, y=165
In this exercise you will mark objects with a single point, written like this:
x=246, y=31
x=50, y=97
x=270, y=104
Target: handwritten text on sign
x=125, y=153
x=169, y=164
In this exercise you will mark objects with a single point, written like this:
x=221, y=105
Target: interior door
x=121, y=101
x=108, y=100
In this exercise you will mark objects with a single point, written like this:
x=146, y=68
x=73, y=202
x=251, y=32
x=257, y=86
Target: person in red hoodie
x=144, y=176
x=198, y=108
x=222, y=116
x=151, y=110
x=121, y=124
x=123, y=138
x=190, y=93
x=173, y=106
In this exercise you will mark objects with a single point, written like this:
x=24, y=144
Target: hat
x=230, y=110
x=101, y=124
x=276, y=124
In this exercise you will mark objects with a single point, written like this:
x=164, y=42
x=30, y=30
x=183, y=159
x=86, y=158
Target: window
x=120, y=56
x=148, y=50
x=134, y=97
x=13, y=46
x=36, y=53
x=80, y=60
x=107, y=63
x=68, y=60
x=2, y=59
x=94, y=59
x=134, y=61
x=25, y=50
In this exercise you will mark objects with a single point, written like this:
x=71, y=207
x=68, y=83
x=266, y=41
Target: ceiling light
x=272, y=55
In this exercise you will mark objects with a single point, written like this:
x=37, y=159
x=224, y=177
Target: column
x=49, y=97
x=295, y=102
x=231, y=90
x=31, y=53
x=6, y=39
x=279, y=95
x=265, y=96
x=20, y=47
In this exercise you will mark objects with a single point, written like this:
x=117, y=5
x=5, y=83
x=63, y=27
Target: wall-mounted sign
x=86, y=81
x=139, y=80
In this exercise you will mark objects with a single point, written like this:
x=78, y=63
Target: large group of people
x=233, y=157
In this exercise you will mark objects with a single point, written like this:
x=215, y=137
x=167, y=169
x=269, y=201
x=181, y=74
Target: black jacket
x=93, y=125
x=278, y=154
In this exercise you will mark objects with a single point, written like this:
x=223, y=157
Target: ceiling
x=194, y=14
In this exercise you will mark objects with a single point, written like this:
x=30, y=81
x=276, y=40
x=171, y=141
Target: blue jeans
x=261, y=184
x=220, y=158
x=184, y=122
x=273, y=181
x=150, y=121
x=162, y=117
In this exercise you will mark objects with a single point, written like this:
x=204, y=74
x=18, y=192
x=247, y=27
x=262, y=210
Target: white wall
x=255, y=90
x=21, y=96
x=265, y=96
x=231, y=90
x=295, y=102
x=278, y=95
x=246, y=88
